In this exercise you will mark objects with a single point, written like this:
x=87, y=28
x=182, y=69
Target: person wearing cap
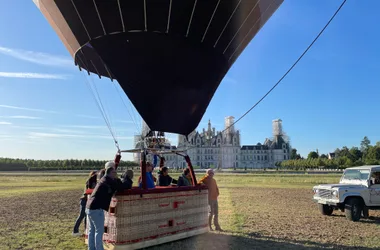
x=90, y=184
x=98, y=202
x=213, y=193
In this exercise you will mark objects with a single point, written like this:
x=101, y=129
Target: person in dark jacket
x=126, y=179
x=90, y=184
x=98, y=202
x=164, y=178
x=185, y=178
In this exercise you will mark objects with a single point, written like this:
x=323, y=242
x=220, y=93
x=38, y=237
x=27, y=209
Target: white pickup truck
x=357, y=192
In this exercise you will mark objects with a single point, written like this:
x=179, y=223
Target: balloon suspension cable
x=102, y=111
x=125, y=105
x=287, y=72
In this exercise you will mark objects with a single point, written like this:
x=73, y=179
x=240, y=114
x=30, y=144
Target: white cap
x=109, y=164
x=210, y=170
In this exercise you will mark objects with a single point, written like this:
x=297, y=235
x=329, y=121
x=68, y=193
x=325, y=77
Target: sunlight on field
x=257, y=211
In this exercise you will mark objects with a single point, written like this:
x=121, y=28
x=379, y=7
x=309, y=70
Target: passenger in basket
x=90, y=184
x=98, y=202
x=149, y=177
x=126, y=179
x=164, y=178
x=185, y=178
x=213, y=193
x=100, y=174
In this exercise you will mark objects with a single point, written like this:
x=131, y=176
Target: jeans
x=96, y=229
x=82, y=215
x=213, y=212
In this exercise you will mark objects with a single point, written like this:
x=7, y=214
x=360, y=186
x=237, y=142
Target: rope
x=101, y=109
x=104, y=107
x=125, y=105
x=287, y=72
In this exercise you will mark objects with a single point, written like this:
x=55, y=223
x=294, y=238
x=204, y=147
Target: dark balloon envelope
x=169, y=56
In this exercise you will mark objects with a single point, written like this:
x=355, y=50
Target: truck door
x=374, y=189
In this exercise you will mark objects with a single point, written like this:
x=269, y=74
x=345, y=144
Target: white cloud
x=5, y=123
x=32, y=75
x=38, y=57
x=28, y=109
x=89, y=116
x=64, y=135
x=85, y=126
x=22, y=117
x=124, y=121
x=30, y=127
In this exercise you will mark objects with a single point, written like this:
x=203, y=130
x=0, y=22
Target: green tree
x=344, y=152
x=293, y=154
x=373, y=155
x=364, y=145
x=323, y=156
x=337, y=152
x=355, y=154
x=312, y=155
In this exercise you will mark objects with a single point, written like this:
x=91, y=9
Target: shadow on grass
x=219, y=241
x=369, y=220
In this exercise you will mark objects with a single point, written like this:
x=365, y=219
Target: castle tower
x=277, y=128
x=228, y=124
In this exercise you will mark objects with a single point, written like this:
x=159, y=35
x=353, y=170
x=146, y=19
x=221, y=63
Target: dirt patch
x=290, y=215
x=38, y=206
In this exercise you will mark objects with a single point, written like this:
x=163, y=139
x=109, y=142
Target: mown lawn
x=257, y=211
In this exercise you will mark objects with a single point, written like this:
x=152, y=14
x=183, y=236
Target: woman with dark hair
x=164, y=179
x=127, y=178
x=90, y=184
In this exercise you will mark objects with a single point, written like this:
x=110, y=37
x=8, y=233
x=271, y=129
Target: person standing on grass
x=213, y=193
x=90, y=184
x=98, y=202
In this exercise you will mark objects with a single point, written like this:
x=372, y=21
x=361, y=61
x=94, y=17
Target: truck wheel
x=365, y=212
x=353, y=209
x=325, y=209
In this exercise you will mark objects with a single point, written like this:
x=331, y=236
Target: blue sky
x=329, y=100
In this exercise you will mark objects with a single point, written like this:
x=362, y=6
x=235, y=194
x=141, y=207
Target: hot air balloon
x=182, y=49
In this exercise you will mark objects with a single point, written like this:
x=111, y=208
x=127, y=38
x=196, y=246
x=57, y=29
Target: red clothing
x=213, y=190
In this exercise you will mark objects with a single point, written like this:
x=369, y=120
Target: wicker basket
x=135, y=220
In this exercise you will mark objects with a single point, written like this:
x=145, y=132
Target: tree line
x=9, y=164
x=343, y=157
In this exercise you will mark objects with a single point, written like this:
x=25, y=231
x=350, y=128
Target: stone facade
x=215, y=149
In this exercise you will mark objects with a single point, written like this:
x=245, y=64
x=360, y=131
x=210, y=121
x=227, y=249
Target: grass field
x=257, y=211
